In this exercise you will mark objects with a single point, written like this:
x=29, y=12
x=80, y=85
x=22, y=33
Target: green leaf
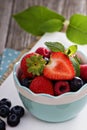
x=34, y=19
x=77, y=29
x=51, y=26
x=55, y=46
x=76, y=66
x=71, y=50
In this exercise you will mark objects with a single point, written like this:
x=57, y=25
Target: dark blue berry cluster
x=13, y=114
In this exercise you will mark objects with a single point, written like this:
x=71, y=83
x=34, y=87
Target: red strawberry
x=59, y=68
x=32, y=64
x=43, y=51
x=24, y=66
x=41, y=84
x=83, y=71
x=61, y=87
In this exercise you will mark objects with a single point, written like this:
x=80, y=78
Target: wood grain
x=12, y=36
x=5, y=15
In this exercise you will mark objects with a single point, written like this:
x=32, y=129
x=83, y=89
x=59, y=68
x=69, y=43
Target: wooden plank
x=74, y=6
x=18, y=38
x=5, y=13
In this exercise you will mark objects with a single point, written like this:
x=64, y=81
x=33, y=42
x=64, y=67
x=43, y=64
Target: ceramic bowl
x=51, y=108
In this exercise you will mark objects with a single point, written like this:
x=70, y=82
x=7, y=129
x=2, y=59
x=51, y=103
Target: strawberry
x=59, y=68
x=83, y=71
x=43, y=51
x=41, y=84
x=32, y=64
x=23, y=65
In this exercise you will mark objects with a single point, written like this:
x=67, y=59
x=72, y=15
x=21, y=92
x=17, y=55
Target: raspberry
x=61, y=87
x=43, y=51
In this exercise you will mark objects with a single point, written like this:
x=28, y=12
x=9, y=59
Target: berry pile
x=53, y=70
x=13, y=114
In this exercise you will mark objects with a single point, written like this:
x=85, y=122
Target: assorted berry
x=13, y=114
x=25, y=82
x=2, y=125
x=18, y=110
x=6, y=102
x=13, y=119
x=4, y=111
x=61, y=87
x=41, y=84
x=43, y=51
x=76, y=83
x=53, y=70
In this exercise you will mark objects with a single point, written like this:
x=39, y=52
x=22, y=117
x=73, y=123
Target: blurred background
x=12, y=36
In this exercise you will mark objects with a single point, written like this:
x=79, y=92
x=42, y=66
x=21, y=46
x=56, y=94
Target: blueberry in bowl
x=52, y=91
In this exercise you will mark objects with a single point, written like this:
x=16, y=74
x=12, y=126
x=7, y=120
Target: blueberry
x=13, y=119
x=25, y=82
x=5, y=101
x=2, y=125
x=76, y=83
x=18, y=110
x=4, y=111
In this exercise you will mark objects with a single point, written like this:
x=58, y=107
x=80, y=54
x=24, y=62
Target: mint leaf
x=38, y=18
x=71, y=50
x=76, y=66
x=77, y=29
x=55, y=46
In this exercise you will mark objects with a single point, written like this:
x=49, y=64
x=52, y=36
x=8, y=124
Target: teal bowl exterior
x=54, y=113
x=50, y=108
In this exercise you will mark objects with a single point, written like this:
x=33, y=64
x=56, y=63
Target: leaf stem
x=66, y=23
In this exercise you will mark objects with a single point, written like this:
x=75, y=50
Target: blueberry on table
x=18, y=110
x=4, y=111
x=2, y=125
x=75, y=84
x=5, y=101
x=13, y=119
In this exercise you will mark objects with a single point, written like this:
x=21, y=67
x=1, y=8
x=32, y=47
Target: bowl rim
x=42, y=98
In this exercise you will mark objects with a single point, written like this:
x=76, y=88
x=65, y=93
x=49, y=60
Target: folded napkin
x=8, y=56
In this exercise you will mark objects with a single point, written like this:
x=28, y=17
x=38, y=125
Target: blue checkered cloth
x=8, y=56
